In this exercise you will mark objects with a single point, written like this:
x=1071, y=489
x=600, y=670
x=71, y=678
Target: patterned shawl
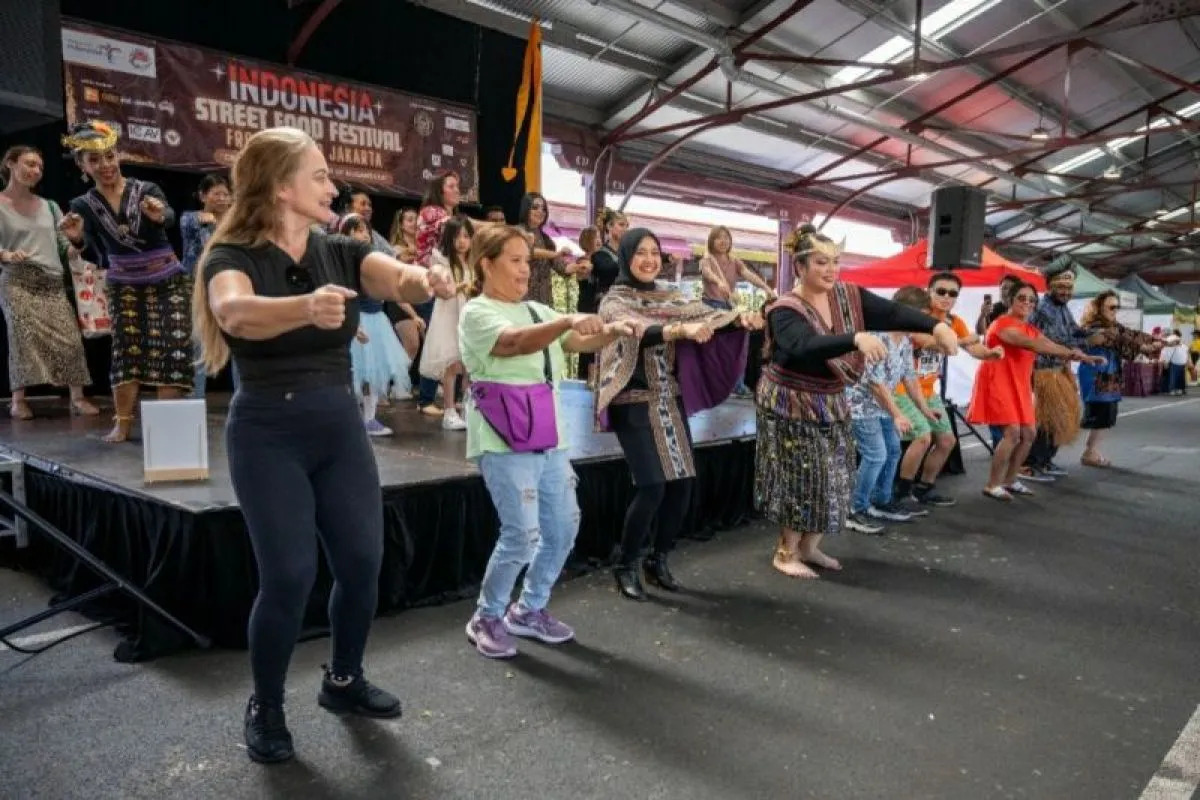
x=662, y=306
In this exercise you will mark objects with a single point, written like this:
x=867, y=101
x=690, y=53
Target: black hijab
x=625, y=252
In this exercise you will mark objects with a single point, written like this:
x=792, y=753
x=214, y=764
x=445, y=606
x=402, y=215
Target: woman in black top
x=277, y=294
x=818, y=344
x=612, y=225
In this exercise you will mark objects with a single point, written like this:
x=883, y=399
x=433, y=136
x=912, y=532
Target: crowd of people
x=324, y=320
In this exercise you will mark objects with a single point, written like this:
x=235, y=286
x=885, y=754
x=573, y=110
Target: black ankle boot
x=658, y=571
x=268, y=740
x=359, y=696
x=629, y=581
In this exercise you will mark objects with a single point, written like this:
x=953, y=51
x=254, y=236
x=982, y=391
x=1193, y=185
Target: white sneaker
x=452, y=421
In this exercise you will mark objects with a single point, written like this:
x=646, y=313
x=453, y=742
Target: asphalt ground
x=1045, y=649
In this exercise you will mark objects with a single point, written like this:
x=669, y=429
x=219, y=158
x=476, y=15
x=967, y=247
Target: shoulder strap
x=546, y=368
x=55, y=212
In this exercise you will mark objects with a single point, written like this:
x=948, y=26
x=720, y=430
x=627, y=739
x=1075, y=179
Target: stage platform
x=185, y=544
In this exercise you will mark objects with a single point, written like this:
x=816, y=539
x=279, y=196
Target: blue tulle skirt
x=381, y=362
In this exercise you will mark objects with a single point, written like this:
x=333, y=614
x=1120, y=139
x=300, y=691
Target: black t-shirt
x=305, y=357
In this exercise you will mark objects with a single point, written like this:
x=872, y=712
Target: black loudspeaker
x=956, y=228
x=31, y=83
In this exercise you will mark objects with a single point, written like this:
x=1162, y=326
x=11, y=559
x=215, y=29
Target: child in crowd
x=441, y=359
x=377, y=360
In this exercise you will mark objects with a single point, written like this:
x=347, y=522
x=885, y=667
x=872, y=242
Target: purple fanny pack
x=523, y=415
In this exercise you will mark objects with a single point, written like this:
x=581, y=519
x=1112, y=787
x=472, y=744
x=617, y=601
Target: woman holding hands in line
x=276, y=295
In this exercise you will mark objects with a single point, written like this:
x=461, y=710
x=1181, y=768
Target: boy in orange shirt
x=933, y=426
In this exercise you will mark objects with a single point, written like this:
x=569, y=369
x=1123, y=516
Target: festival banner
x=189, y=108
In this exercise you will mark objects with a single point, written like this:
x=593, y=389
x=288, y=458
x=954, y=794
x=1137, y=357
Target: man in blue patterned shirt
x=1056, y=394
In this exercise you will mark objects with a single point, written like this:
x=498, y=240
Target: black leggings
x=670, y=502
x=304, y=472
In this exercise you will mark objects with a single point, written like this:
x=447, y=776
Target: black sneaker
x=268, y=741
x=926, y=495
x=908, y=505
x=857, y=521
x=890, y=512
x=1055, y=470
x=359, y=696
x=1036, y=475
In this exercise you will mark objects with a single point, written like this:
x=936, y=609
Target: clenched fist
x=71, y=226
x=153, y=209
x=327, y=306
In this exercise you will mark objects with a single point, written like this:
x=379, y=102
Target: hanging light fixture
x=1040, y=133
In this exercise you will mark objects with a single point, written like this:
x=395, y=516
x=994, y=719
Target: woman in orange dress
x=1003, y=391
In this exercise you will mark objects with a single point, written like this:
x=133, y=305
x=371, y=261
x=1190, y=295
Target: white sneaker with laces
x=453, y=421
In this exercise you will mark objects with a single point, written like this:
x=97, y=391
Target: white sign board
x=174, y=440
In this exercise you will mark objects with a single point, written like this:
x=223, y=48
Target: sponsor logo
x=106, y=53
x=91, y=95
x=448, y=150
x=145, y=133
x=436, y=160
x=172, y=137
x=141, y=59
x=167, y=107
x=112, y=98
x=423, y=123
x=458, y=124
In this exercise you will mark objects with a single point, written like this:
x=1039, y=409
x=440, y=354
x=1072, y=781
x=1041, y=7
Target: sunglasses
x=946, y=292
x=1024, y=298
x=1111, y=308
x=299, y=279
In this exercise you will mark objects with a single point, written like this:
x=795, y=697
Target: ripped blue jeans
x=534, y=495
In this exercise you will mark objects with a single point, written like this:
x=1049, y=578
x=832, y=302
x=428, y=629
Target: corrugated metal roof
x=992, y=120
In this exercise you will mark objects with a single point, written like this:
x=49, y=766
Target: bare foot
x=84, y=408
x=120, y=432
x=821, y=560
x=792, y=567
x=19, y=409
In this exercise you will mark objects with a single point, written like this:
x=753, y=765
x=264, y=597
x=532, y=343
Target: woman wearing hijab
x=647, y=389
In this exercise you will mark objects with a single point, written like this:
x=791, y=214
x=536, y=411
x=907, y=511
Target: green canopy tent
x=1154, y=301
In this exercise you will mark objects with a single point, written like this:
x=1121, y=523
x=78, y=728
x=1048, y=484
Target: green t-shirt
x=482, y=321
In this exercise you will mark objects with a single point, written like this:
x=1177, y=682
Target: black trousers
x=1042, y=452
x=659, y=507
x=304, y=473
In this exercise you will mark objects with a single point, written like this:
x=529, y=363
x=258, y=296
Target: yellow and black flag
x=529, y=116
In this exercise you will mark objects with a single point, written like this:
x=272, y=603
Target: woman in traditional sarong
x=817, y=344
x=646, y=390
x=44, y=346
x=123, y=222
x=1100, y=384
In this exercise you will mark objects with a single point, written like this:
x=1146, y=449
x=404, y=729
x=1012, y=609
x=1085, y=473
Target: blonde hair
x=270, y=158
x=488, y=244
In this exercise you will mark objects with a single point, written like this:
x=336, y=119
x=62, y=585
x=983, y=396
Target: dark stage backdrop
x=386, y=42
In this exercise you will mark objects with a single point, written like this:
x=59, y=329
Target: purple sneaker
x=521, y=621
x=377, y=428
x=490, y=638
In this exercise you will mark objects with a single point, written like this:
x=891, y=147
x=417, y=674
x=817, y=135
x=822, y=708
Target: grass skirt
x=1056, y=404
x=381, y=362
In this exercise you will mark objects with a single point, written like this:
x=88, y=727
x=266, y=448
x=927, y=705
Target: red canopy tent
x=907, y=268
